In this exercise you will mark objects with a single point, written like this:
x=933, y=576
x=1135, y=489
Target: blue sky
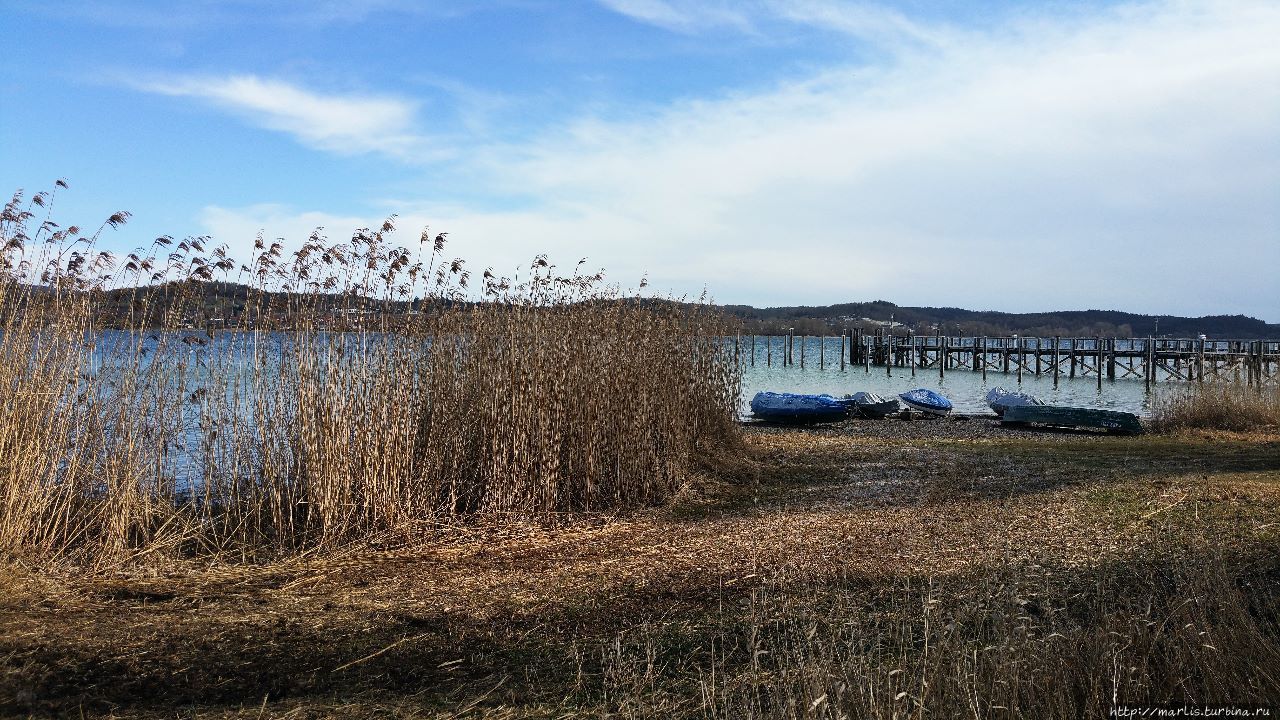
x=1013, y=156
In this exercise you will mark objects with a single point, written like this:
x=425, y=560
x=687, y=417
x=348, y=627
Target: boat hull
x=1068, y=417
x=871, y=405
x=793, y=408
x=1000, y=400
x=926, y=401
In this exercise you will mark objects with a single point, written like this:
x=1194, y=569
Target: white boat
x=871, y=405
x=1000, y=400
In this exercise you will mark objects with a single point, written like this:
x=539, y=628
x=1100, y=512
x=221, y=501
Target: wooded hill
x=832, y=319
x=222, y=304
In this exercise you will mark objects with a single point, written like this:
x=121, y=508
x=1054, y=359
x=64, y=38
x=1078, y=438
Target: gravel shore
x=956, y=427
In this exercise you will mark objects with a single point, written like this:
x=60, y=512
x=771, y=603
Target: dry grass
x=364, y=396
x=1217, y=406
x=960, y=563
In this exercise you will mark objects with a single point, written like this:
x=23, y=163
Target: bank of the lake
x=811, y=576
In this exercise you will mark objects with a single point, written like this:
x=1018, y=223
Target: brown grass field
x=891, y=569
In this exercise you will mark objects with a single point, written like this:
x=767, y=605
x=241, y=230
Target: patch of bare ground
x=894, y=552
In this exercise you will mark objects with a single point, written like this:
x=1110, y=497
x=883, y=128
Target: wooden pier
x=1150, y=360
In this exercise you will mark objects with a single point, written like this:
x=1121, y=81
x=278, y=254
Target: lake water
x=964, y=388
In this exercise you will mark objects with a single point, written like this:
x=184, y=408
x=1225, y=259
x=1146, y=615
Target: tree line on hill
x=224, y=304
x=871, y=316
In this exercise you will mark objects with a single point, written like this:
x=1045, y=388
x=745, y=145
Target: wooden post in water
x=1149, y=372
x=1245, y=351
x=911, y=345
x=1257, y=364
x=1248, y=359
x=942, y=355
x=1073, y=359
x=822, y=352
x=1111, y=359
x=1022, y=343
x=753, y=350
x=1037, y=356
x=1200, y=362
x=864, y=350
x=1264, y=364
x=1004, y=352
x=1097, y=345
x=804, y=340
x=1057, y=358
x=888, y=354
x=842, y=341
x=768, y=351
x=1260, y=366
x=984, y=360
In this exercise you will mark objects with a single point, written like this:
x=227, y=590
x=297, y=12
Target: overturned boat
x=791, y=407
x=926, y=401
x=1000, y=400
x=1112, y=421
x=871, y=405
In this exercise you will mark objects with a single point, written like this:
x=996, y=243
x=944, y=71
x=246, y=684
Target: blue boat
x=926, y=401
x=788, y=407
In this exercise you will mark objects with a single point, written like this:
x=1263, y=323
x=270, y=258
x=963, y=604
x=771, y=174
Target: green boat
x=1069, y=417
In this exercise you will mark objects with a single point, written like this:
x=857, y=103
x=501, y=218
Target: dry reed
x=1217, y=406
x=363, y=390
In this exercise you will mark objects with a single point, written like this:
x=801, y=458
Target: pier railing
x=1256, y=362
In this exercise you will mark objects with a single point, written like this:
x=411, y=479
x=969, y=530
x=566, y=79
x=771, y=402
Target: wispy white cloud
x=861, y=20
x=348, y=124
x=684, y=16
x=866, y=21
x=1126, y=158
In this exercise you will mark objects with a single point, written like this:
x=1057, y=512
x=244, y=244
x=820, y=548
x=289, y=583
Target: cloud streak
x=680, y=16
x=344, y=124
x=868, y=22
